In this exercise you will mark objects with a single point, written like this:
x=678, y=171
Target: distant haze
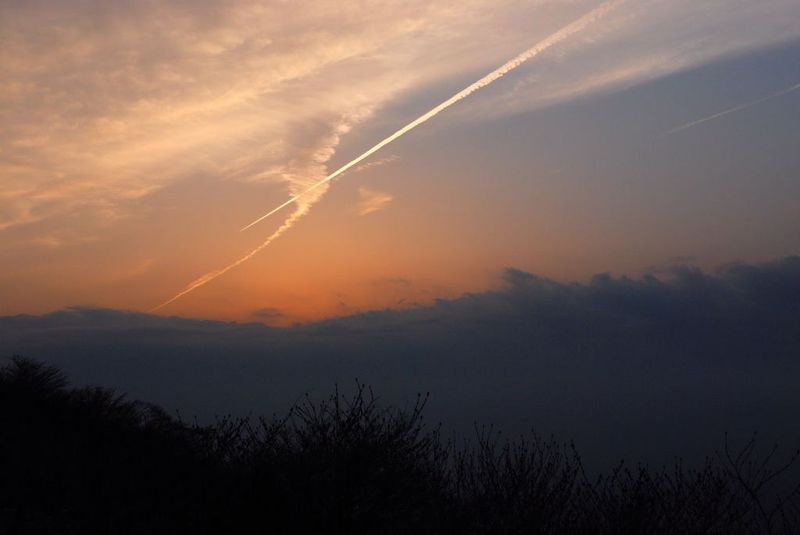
x=643, y=368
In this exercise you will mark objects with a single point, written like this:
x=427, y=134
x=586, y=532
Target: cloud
x=372, y=200
x=299, y=189
x=756, y=304
x=377, y=163
x=633, y=366
x=105, y=104
x=268, y=315
x=644, y=41
x=108, y=103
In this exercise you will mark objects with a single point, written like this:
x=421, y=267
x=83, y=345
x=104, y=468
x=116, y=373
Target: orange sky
x=139, y=138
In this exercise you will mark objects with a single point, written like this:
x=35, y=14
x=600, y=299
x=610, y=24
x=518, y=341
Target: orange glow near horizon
x=138, y=138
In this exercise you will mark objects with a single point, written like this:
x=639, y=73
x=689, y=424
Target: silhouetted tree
x=86, y=460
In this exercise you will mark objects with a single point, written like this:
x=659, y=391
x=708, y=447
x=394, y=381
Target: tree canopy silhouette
x=87, y=460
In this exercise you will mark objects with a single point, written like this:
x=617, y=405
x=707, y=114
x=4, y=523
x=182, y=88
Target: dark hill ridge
x=86, y=460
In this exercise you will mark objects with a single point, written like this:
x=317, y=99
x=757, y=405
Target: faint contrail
x=561, y=34
x=732, y=110
x=208, y=277
x=512, y=64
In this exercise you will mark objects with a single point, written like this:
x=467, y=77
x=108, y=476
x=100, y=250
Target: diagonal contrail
x=510, y=65
x=732, y=110
x=558, y=36
x=211, y=275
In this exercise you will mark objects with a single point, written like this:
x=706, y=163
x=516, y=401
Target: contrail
x=732, y=110
x=510, y=65
x=208, y=277
x=558, y=36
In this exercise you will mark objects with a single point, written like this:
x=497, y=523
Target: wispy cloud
x=298, y=174
x=647, y=40
x=372, y=201
x=104, y=103
x=377, y=163
x=110, y=104
x=561, y=34
x=306, y=191
x=112, y=109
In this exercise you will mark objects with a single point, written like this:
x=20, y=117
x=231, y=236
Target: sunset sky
x=137, y=138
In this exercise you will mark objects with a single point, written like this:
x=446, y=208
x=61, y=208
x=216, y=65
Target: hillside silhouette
x=87, y=460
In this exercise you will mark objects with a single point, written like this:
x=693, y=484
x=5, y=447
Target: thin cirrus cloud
x=105, y=103
x=372, y=201
x=111, y=102
x=377, y=163
x=555, y=38
x=306, y=193
x=645, y=41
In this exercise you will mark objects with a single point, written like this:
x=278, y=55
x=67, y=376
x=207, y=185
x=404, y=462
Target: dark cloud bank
x=642, y=368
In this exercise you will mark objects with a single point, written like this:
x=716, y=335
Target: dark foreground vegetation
x=85, y=460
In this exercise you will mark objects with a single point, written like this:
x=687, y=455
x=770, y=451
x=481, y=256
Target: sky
x=139, y=137
x=602, y=243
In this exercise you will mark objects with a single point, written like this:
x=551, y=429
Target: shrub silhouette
x=86, y=460
x=80, y=460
